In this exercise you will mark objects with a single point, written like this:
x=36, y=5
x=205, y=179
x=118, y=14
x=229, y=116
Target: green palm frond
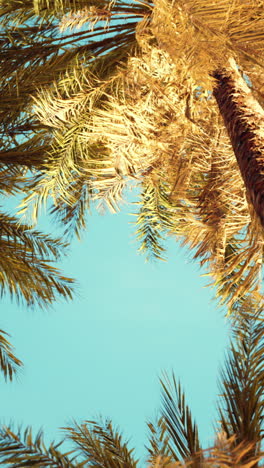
x=242, y=387
x=9, y=363
x=21, y=449
x=183, y=432
x=99, y=444
x=26, y=271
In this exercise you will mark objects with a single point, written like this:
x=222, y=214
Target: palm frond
x=11, y=180
x=152, y=220
x=32, y=46
x=78, y=151
x=25, y=264
x=9, y=363
x=158, y=443
x=21, y=449
x=229, y=455
x=72, y=216
x=183, y=432
x=99, y=444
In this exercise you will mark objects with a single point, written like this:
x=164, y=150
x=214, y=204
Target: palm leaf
x=158, y=448
x=21, y=449
x=72, y=216
x=183, y=432
x=25, y=264
x=99, y=444
x=9, y=363
x=152, y=220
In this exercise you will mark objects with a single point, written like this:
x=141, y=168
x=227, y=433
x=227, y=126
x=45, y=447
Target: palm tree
x=128, y=99
x=174, y=439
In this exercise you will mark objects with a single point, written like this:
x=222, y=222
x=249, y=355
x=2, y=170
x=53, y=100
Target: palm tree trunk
x=244, y=120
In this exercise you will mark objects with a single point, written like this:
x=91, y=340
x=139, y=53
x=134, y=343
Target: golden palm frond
x=193, y=28
x=31, y=46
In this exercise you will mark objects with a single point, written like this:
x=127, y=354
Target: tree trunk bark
x=244, y=120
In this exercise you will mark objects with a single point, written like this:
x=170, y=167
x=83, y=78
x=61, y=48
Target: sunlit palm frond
x=78, y=149
x=21, y=449
x=204, y=189
x=194, y=28
x=26, y=271
x=99, y=444
x=9, y=363
x=183, y=432
x=91, y=13
x=31, y=45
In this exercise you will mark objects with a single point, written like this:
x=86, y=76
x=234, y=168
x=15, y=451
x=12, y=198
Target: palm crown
x=128, y=99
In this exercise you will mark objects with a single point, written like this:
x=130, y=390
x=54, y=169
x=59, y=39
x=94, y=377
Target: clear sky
x=104, y=352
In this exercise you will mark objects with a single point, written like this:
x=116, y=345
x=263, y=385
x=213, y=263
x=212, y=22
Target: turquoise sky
x=103, y=353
